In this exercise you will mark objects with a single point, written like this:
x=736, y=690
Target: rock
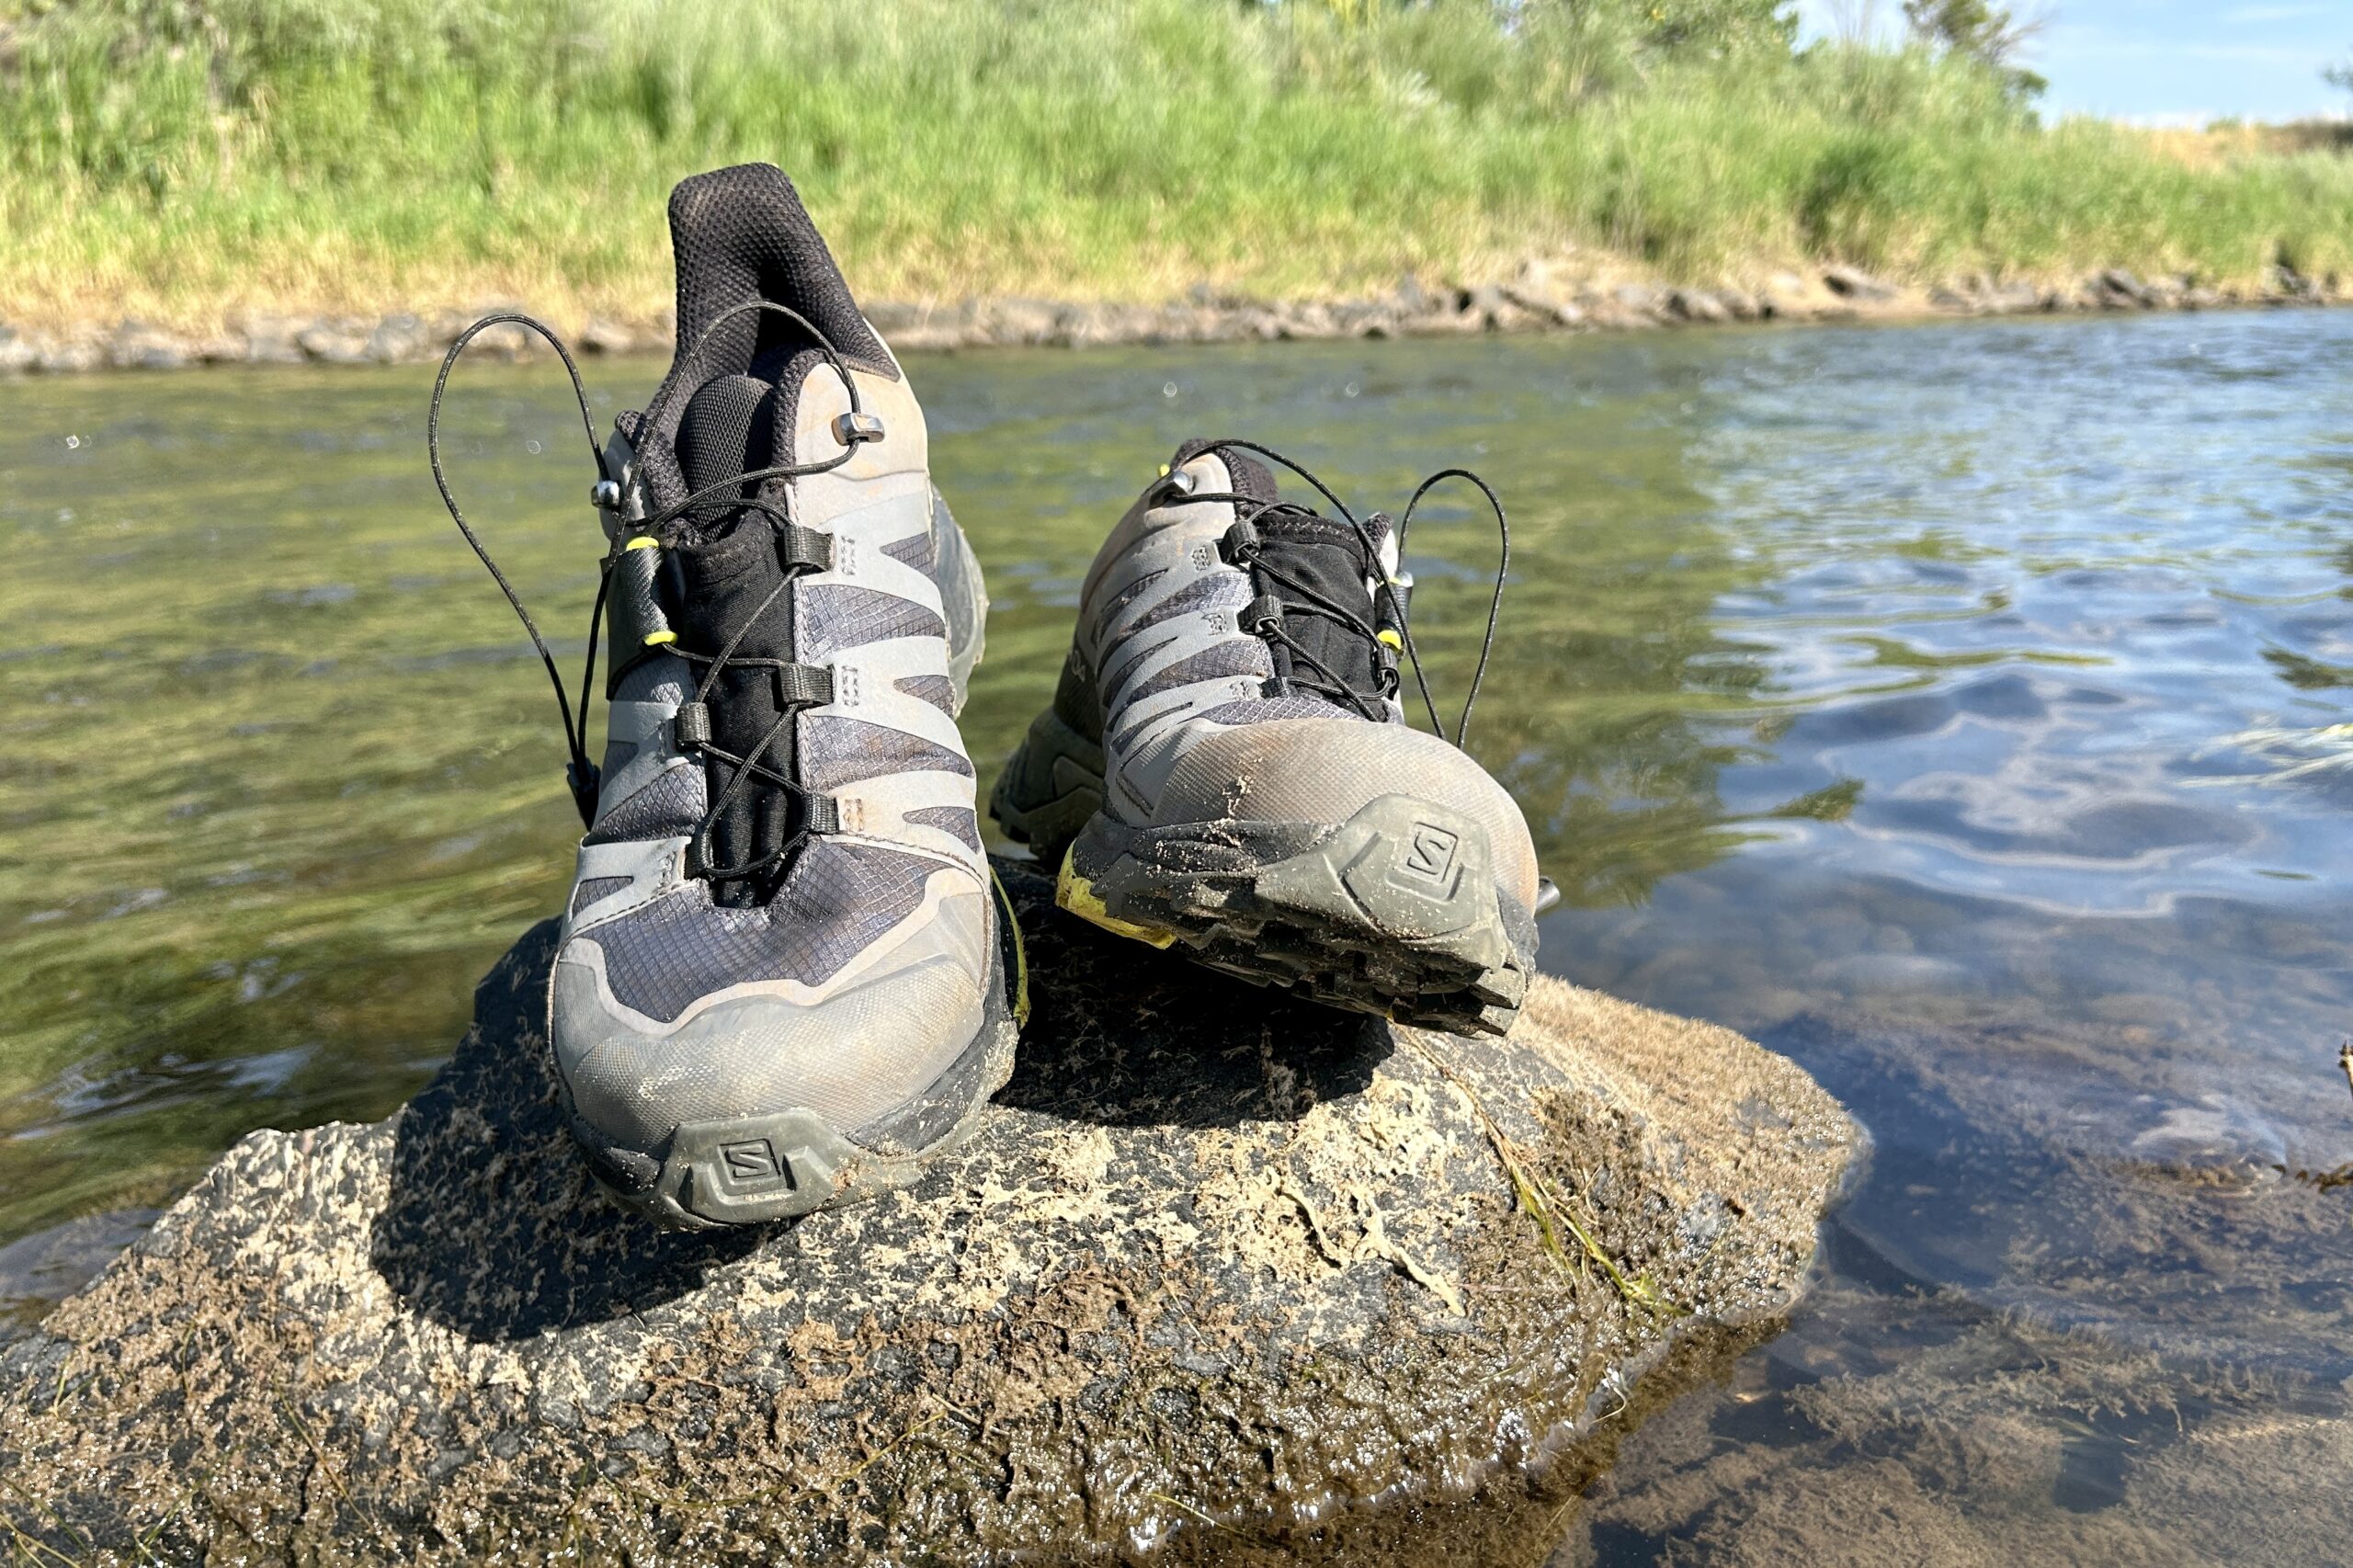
x=1308, y=321
x=135, y=346
x=1539, y=290
x=1223, y=1268
x=1019, y=321
x=1696, y=305
x=17, y=354
x=268, y=340
x=397, y=340
x=1639, y=299
x=1443, y=322
x=1854, y=283
x=1743, y=305
x=2011, y=299
x=1946, y=297
x=602, y=335
x=1366, y=318
x=67, y=356
x=2116, y=288
x=1609, y=315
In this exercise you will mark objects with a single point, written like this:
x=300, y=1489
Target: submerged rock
x=1228, y=1275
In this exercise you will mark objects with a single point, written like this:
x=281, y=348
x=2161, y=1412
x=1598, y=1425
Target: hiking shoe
x=1226, y=763
x=783, y=981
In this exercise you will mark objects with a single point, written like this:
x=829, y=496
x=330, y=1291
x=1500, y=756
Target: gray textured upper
x=862, y=979
x=1195, y=729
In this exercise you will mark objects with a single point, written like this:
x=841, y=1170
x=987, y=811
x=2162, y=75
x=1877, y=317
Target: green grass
x=182, y=161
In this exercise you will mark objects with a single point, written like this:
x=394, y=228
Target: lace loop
x=799, y=551
x=1243, y=545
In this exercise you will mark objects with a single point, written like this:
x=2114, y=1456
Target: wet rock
x=1854, y=283
x=1222, y=1269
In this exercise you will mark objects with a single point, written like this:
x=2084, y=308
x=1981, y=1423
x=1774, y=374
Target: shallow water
x=1952, y=707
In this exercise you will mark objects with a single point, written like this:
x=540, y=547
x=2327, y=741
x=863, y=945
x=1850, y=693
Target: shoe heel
x=1051, y=786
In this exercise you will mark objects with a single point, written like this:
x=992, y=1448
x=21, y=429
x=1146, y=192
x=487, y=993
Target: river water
x=1962, y=709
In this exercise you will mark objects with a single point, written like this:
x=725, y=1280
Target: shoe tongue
x=729, y=427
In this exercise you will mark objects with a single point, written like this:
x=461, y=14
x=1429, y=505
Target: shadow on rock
x=494, y=1226
x=1125, y=1035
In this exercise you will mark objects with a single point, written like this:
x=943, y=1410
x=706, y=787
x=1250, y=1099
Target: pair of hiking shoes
x=787, y=977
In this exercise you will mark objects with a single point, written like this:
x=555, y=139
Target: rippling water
x=1962, y=709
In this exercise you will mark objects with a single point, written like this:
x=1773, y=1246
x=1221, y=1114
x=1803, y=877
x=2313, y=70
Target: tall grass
x=182, y=159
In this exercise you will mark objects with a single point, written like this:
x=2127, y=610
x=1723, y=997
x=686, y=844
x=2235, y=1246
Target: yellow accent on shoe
x=1076, y=894
x=653, y=637
x=643, y=542
x=1390, y=639
x=1020, y=951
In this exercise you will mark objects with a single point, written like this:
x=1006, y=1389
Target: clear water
x=1955, y=707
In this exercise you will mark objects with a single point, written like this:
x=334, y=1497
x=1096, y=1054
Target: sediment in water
x=1228, y=1277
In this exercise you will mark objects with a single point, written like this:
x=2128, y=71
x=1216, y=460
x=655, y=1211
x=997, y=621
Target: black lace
x=1264, y=616
x=815, y=815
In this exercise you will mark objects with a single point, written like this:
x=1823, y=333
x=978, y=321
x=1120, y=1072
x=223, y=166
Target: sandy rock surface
x=1228, y=1279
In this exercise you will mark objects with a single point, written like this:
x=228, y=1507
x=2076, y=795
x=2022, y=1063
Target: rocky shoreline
x=1541, y=297
x=1227, y=1279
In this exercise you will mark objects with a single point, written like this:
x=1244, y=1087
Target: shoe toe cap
x=1328, y=769
x=854, y=1051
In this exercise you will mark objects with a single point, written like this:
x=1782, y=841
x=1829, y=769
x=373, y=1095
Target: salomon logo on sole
x=1429, y=854
x=753, y=1163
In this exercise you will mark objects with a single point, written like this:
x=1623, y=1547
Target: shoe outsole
x=1394, y=912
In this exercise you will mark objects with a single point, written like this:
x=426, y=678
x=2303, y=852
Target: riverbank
x=1538, y=297
x=259, y=179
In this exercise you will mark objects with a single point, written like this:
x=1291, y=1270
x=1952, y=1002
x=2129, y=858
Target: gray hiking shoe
x=1226, y=762
x=784, y=980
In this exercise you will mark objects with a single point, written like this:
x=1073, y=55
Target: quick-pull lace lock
x=849, y=429
x=1241, y=544
x=606, y=495
x=691, y=728
x=1173, y=482
x=1261, y=615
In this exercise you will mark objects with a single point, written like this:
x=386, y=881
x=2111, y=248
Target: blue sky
x=2172, y=61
